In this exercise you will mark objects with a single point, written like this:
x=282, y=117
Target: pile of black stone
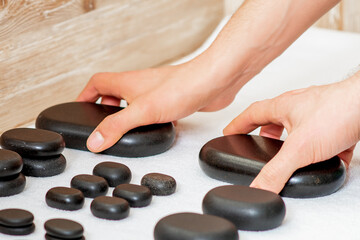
x=16, y=222
x=124, y=196
x=40, y=150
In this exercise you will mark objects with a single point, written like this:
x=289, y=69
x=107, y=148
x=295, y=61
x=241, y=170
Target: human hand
x=154, y=96
x=321, y=121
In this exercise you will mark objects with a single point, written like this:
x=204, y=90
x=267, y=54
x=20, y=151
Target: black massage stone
x=248, y=208
x=16, y=222
x=12, y=185
x=18, y=231
x=65, y=198
x=159, y=184
x=193, y=226
x=114, y=173
x=239, y=158
x=136, y=195
x=64, y=229
x=90, y=185
x=112, y=208
x=10, y=163
x=44, y=167
x=14, y=217
x=75, y=121
x=29, y=142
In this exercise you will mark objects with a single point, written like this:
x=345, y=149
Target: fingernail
x=96, y=140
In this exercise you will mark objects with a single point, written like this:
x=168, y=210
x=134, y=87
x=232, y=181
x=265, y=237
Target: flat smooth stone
x=49, y=237
x=248, y=208
x=12, y=185
x=136, y=195
x=112, y=208
x=159, y=184
x=10, y=163
x=29, y=142
x=75, y=121
x=193, y=226
x=44, y=167
x=90, y=185
x=17, y=231
x=64, y=228
x=15, y=217
x=114, y=173
x=65, y=198
x=239, y=158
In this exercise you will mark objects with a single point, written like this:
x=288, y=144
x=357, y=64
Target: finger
x=257, y=114
x=272, y=131
x=113, y=127
x=107, y=100
x=347, y=155
x=274, y=175
x=101, y=84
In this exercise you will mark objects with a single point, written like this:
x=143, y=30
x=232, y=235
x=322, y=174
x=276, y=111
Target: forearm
x=257, y=33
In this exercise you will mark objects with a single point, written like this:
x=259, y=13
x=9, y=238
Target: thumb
x=274, y=175
x=114, y=126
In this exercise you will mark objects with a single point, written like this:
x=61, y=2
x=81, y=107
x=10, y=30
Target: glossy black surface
x=10, y=163
x=112, y=208
x=159, y=184
x=193, y=226
x=64, y=228
x=248, y=208
x=91, y=186
x=29, y=142
x=18, y=231
x=65, y=198
x=239, y=158
x=75, y=121
x=44, y=167
x=49, y=237
x=114, y=173
x=12, y=185
x=14, y=217
x=136, y=195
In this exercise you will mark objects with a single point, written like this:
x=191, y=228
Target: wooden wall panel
x=50, y=49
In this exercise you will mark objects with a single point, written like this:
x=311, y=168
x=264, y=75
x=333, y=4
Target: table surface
x=318, y=57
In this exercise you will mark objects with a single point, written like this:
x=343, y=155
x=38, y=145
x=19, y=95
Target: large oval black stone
x=29, y=142
x=194, y=226
x=75, y=121
x=248, y=208
x=239, y=158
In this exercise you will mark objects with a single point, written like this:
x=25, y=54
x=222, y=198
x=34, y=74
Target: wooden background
x=50, y=49
x=345, y=16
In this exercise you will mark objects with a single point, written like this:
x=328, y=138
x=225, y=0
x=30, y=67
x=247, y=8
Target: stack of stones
x=12, y=181
x=40, y=150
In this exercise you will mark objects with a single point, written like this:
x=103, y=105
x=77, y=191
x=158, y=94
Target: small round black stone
x=193, y=226
x=10, y=163
x=114, y=173
x=64, y=228
x=18, y=231
x=29, y=142
x=112, y=208
x=49, y=237
x=14, y=217
x=159, y=184
x=44, y=167
x=91, y=186
x=65, y=198
x=12, y=185
x=136, y=195
x=248, y=208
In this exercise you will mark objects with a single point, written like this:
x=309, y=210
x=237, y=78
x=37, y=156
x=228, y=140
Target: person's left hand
x=321, y=121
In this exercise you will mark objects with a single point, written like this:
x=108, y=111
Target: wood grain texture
x=50, y=48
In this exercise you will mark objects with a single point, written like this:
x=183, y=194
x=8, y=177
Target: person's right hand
x=154, y=96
